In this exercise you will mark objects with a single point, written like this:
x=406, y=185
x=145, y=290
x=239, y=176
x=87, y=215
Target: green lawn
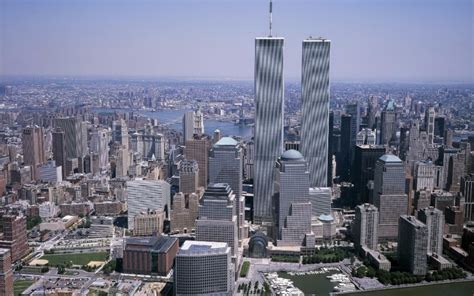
x=20, y=286
x=77, y=259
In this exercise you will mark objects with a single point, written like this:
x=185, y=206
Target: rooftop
x=390, y=158
x=201, y=247
x=291, y=155
x=226, y=141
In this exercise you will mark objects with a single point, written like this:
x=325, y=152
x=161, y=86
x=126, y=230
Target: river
x=173, y=118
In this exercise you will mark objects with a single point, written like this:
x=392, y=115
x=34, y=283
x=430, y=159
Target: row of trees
x=327, y=255
x=401, y=278
x=248, y=288
x=281, y=258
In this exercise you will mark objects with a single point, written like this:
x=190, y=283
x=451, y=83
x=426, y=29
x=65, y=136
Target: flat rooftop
x=201, y=247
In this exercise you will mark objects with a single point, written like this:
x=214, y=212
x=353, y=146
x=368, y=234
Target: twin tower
x=269, y=105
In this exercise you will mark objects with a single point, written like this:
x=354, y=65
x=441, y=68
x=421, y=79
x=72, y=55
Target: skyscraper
x=14, y=236
x=294, y=207
x=100, y=146
x=389, y=194
x=269, y=93
x=434, y=221
x=366, y=226
x=217, y=221
x=362, y=170
x=226, y=166
x=353, y=109
x=388, y=127
x=412, y=245
x=33, y=148
x=315, y=109
x=75, y=143
x=430, y=123
x=59, y=149
x=198, y=149
x=188, y=176
x=193, y=124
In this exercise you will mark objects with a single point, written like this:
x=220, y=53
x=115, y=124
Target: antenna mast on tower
x=271, y=18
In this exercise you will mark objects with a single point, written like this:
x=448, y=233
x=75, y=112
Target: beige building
x=183, y=218
x=149, y=223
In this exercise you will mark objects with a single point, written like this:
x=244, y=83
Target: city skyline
x=389, y=42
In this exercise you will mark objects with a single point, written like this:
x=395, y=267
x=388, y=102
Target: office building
x=226, y=166
x=362, y=171
x=33, y=148
x=193, y=124
x=430, y=123
x=49, y=172
x=6, y=273
x=269, y=102
x=217, y=219
x=204, y=268
x=344, y=158
x=149, y=223
x=315, y=109
x=75, y=140
x=412, y=245
x=100, y=146
x=144, y=195
x=365, y=230
x=425, y=175
x=320, y=198
x=331, y=148
x=293, y=200
x=442, y=199
x=434, y=221
x=198, y=149
x=184, y=212
x=353, y=109
x=152, y=255
x=467, y=190
x=188, y=176
x=366, y=137
x=388, y=126
x=14, y=236
x=59, y=149
x=389, y=194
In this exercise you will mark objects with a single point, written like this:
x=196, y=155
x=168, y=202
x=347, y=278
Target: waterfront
x=455, y=289
x=173, y=118
x=312, y=284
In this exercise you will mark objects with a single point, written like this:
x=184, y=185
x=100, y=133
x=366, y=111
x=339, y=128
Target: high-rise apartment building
x=389, y=194
x=6, y=273
x=315, y=109
x=14, y=236
x=144, y=195
x=269, y=94
x=434, y=221
x=366, y=222
x=33, y=148
x=204, y=268
x=412, y=245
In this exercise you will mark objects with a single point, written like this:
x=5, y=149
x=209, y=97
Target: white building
x=50, y=173
x=144, y=195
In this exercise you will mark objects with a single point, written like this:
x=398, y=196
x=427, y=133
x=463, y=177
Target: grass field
x=20, y=286
x=76, y=259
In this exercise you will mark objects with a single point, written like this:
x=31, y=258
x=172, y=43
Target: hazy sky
x=372, y=40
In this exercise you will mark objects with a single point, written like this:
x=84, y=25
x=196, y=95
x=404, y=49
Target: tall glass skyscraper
x=269, y=92
x=315, y=116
